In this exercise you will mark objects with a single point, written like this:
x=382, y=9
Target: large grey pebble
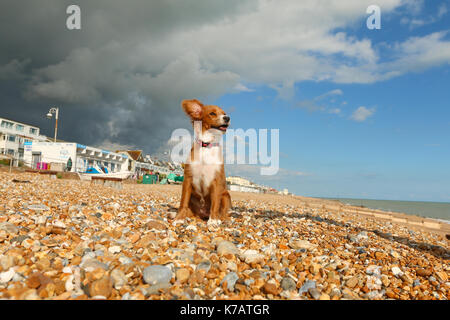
x=92, y=264
x=314, y=293
x=9, y=227
x=119, y=278
x=226, y=247
x=155, y=289
x=38, y=207
x=231, y=279
x=288, y=284
x=309, y=284
x=6, y=262
x=157, y=274
x=204, y=265
x=301, y=244
x=125, y=260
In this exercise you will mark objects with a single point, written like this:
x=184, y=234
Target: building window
x=19, y=127
x=11, y=152
x=7, y=124
x=33, y=130
x=12, y=138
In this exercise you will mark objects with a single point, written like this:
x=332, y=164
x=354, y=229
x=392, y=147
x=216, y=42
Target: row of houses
x=84, y=157
x=25, y=145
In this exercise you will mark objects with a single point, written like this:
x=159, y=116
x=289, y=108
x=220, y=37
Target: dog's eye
x=212, y=114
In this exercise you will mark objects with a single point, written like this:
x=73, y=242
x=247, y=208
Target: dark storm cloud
x=120, y=79
x=112, y=80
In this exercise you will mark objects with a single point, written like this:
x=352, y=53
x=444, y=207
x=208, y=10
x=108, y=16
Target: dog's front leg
x=225, y=205
x=214, y=217
x=184, y=211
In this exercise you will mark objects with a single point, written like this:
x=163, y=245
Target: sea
x=434, y=210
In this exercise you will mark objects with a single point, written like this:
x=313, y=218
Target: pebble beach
x=70, y=239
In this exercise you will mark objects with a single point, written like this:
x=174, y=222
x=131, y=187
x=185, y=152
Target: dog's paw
x=213, y=223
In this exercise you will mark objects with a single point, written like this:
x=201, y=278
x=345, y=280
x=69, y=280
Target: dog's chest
x=205, y=169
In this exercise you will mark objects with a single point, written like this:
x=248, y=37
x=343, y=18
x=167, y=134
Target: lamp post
x=49, y=116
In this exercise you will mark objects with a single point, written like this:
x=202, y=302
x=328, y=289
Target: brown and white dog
x=204, y=194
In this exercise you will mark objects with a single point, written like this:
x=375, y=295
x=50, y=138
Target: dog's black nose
x=226, y=118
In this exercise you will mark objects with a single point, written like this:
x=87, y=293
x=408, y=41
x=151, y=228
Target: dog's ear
x=193, y=108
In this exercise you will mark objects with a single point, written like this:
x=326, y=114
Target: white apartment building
x=14, y=135
x=241, y=188
x=83, y=157
x=142, y=163
x=239, y=181
x=236, y=183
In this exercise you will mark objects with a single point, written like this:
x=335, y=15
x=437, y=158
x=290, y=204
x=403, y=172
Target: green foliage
x=5, y=162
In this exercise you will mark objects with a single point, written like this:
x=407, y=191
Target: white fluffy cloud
x=322, y=103
x=362, y=113
x=419, y=21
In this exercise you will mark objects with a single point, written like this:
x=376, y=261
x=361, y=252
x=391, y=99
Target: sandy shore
x=69, y=239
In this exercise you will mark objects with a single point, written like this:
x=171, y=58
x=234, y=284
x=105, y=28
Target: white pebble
x=69, y=283
x=397, y=272
x=59, y=224
x=67, y=270
x=7, y=275
x=191, y=228
x=114, y=249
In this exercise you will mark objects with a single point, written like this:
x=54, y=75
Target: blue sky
x=401, y=151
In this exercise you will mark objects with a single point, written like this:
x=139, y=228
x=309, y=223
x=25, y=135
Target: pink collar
x=206, y=144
